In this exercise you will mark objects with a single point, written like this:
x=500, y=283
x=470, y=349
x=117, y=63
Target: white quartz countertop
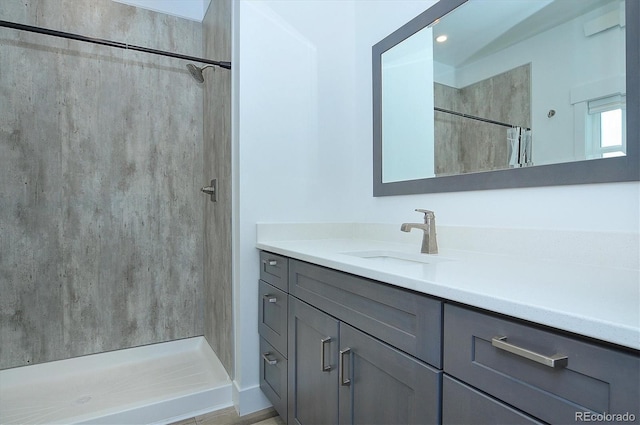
x=591, y=300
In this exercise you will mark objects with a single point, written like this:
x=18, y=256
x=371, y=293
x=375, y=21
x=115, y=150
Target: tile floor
x=230, y=417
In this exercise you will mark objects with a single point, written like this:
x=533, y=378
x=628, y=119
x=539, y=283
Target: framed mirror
x=513, y=94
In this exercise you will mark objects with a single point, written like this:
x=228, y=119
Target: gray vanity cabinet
x=381, y=385
x=345, y=361
x=349, y=350
x=313, y=365
x=551, y=376
x=340, y=375
x=273, y=376
x=272, y=326
x=274, y=270
x=406, y=320
x=464, y=405
x=273, y=312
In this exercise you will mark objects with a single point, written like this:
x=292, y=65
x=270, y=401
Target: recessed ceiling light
x=441, y=38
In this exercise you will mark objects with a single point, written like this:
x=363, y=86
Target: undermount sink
x=396, y=257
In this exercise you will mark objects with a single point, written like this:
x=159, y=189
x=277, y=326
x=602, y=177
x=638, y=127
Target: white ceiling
x=189, y=9
x=481, y=27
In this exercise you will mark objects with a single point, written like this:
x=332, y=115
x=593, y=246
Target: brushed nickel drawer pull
x=270, y=262
x=345, y=382
x=324, y=367
x=270, y=298
x=268, y=360
x=557, y=360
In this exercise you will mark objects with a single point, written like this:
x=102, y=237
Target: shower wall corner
x=218, y=284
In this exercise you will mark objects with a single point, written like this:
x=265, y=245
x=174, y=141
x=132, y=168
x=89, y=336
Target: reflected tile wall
x=464, y=145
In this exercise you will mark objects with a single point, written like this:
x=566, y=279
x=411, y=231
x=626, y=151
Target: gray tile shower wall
x=218, y=319
x=466, y=146
x=100, y=168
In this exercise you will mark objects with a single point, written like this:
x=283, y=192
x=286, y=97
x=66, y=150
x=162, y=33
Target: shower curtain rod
x=77, y=37
x=460, y=114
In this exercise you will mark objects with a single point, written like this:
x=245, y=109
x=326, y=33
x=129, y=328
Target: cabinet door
x=313, y=361
x=381, y=385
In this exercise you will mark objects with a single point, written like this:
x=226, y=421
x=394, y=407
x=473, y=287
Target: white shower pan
x=153, y=384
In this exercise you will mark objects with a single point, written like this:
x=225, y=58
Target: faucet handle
x=427, y=214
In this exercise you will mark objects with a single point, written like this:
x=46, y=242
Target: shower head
x=196, y=72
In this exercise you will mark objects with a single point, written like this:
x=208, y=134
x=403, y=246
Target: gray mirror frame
x=608, y=170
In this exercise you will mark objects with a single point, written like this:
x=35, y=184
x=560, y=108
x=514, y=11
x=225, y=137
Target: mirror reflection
x=505, y=84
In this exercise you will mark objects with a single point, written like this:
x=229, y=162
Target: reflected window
x=607, y=121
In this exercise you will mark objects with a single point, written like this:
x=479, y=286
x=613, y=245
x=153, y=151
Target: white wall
x=293, y=82
x=303, y=144
x=601, y=57
x=408, y=118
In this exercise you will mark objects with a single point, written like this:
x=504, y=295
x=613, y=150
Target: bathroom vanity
x=368, y=331
x=502, y=325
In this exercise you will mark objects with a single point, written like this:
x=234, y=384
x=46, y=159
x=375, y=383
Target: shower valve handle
x=211, y=190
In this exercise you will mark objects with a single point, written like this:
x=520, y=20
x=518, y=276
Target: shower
x=103, y=245
x=125, y=145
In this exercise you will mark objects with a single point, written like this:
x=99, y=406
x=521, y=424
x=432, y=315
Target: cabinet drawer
x=273, y=376
x=403, y=319
x=595, y=378
x=462, y=404
x=272, y=314
x=273, y=270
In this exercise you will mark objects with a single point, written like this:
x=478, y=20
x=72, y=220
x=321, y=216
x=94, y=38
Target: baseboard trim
x=249, y=400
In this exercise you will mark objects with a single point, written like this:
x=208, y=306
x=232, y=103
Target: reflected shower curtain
x=519, y=143
x=526, y=159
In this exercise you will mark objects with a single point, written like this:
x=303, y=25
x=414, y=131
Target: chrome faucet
x=429, y=242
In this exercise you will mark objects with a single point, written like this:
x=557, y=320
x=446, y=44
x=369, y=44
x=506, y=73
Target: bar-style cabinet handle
x=270, y=262
x=268, y=360
x=343, y=353
x=323, y=366
x=555, y=361
x=270, y=298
